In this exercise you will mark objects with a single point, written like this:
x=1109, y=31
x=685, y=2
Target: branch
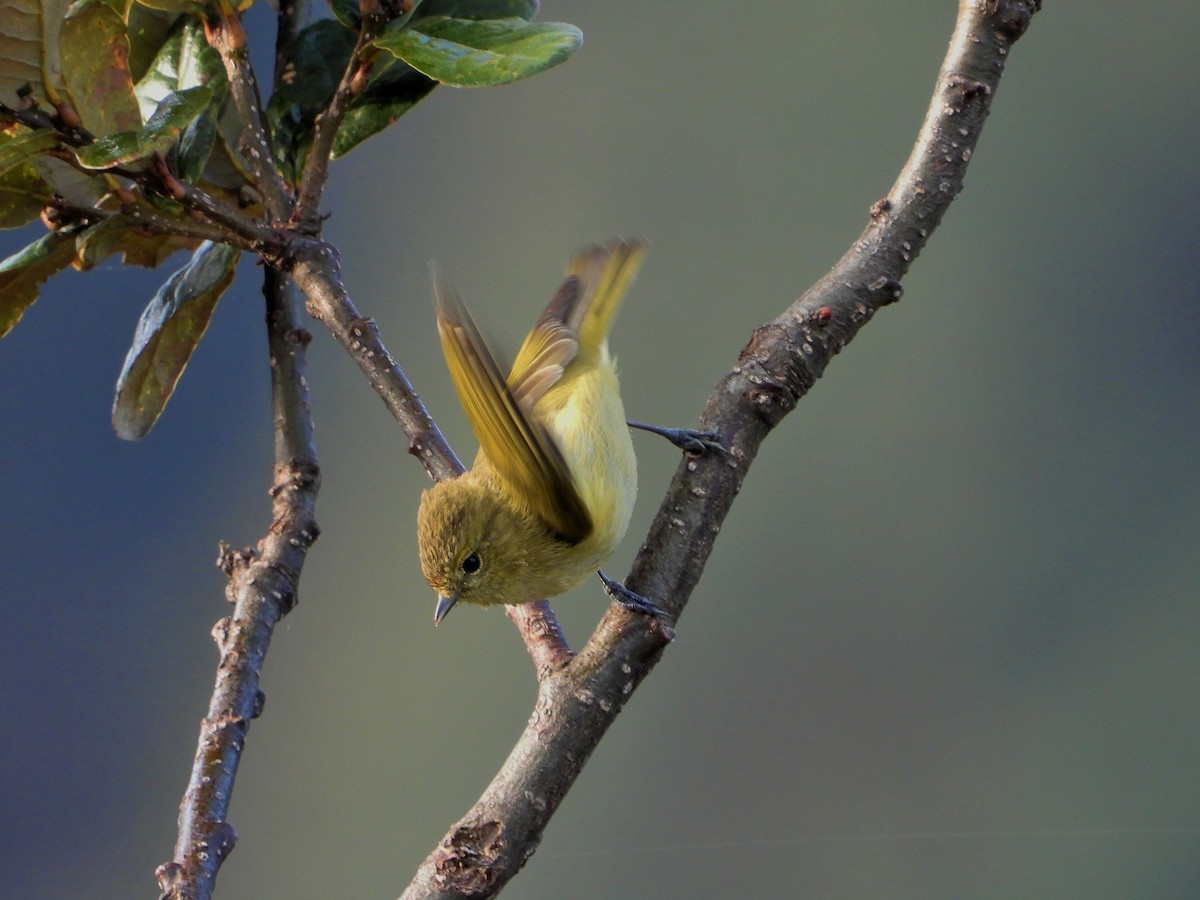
x=316, y=269
x=263, y=583
x=143, y=214
x=306, y=217
x=782, y=360
x=239, y=229
x=227, y=36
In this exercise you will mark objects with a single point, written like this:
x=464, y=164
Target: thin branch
x=227, y=36
x=316, y=269
x=543, y=636
x=243, y=231
x=263, y=583
x=781, y=362
x=306, y=217
x=143, y=216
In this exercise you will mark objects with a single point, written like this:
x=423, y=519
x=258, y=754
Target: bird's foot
x=689, y=440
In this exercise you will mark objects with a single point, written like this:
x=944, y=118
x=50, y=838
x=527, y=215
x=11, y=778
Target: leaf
x=148, y=30
x=207, y=150
x=18, y=149
x=111, y=150
x=226, y=171
x=468, y=53
x=346, y=12
x=94, y=49
x=389, y=95
x=23, y=196
x=174, y=114
x=75, y=187
x=195, y=147
x=29, y=48
x=23, y=274
x=169, y=330
x=184, y=60
x=311, y=75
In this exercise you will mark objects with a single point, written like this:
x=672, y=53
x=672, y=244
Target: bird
x=551, y=491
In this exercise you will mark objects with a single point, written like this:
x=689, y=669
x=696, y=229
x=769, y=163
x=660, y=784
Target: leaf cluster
x=120, y=128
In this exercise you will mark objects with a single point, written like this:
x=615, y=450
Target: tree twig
x=306, y=216
x=263, y=584
x=782, y=360
x=227, y=36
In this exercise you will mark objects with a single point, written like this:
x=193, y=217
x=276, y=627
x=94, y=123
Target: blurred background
x=946, y=646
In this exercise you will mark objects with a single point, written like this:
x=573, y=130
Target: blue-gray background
x=946, y=646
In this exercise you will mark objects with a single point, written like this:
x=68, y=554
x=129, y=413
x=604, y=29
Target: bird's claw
x=632, y=601
x=689, y=440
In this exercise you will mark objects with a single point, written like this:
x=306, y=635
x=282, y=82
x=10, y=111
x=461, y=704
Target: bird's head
x=475, y=548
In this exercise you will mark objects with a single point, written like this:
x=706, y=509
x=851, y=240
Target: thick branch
x=263, y=586
x=776, y=368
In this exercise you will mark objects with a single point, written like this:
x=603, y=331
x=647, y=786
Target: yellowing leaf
x=23, y=274
x=94, y=50
x=169, y=330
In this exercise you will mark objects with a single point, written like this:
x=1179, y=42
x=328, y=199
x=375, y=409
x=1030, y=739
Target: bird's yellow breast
x=585, y=414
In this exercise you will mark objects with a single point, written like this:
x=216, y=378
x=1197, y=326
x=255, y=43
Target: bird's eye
x=471, y=563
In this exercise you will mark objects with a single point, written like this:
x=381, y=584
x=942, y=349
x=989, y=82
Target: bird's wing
x=548, y=348
x=577, y=319
x=520, y=450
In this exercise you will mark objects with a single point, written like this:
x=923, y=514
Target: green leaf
x=23, y=274
x=319, y=57
x=195, y=147
x=20, y=148
x=148, y=30
x=468, y=53
x=29, y=48
x=346, y=12
x=174, y=114
x=389, y=95
x=166, y=335
x=478, y=9
x=94, y=49
x=23, y=196
x=184, y=60
x=208, y=149
x=311, y=75
x=111, y=150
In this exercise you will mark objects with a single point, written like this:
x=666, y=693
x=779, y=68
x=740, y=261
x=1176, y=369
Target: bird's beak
x=443, y=606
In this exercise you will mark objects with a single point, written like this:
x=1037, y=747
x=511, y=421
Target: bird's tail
x=605, y=273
